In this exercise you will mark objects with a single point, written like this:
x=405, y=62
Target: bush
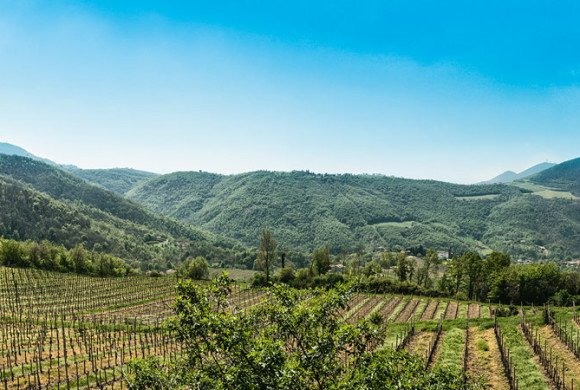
x=286, y=275
x=375, y=318
x=249, y=342
x=195, y=269
x=259, y=280
x=507, y=311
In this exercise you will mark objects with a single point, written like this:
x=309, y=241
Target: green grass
x=482, y=345
x=528, y=373
x=543, y=191
x=420, y=309
x=552, y=194
x=451, y=355
x=234, y=273
x=399, y=308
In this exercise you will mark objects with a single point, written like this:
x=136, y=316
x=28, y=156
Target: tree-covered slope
x=564, y=176
x=39, y=201
x=305, y=210
x=63, y=186
x=118, y=180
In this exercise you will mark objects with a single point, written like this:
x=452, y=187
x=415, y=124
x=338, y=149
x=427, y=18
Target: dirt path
x=419, y=343
x=572, y=363
x=474, y=310
x=484, y=359
x=390, y=307
x=407, y=313
x=437, y=350
x=364, y=309
x=429, y=310
x=451, y=311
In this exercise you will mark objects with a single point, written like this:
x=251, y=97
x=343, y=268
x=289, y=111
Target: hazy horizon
x=454, y=92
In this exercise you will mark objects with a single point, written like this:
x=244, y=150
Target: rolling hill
x=306, y=211
x=118, y=180
x=563, y=177
x=39, y=201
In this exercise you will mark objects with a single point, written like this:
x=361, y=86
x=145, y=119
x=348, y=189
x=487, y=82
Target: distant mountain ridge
x=13, y=150
x=305, y=211
x=118, y=180
x=510, y=176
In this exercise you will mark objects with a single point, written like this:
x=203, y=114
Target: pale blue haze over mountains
x=451, y=91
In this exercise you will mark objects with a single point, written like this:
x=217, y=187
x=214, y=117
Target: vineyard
x=65, y=331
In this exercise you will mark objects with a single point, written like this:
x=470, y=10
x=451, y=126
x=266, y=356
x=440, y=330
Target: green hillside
x=38, y=202
x=118, y=180
x=563, y=177
x=305, y=211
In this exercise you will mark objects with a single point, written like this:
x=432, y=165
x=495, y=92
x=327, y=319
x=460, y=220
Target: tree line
x=468, y=276
x=47, y=256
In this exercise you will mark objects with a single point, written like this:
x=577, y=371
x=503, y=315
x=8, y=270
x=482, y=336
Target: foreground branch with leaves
x=293, y=340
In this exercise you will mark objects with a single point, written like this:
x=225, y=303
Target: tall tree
x=266, y=252
x=283, y=258
x=321, y=260
x=456, y=270
x=473, y=265
x=403, y=265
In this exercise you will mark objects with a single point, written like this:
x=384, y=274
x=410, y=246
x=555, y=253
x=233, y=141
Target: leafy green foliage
x=266, y=253
x=287, y=342
x=321, y=260
x=306, y=211
x=41, y=202
x=50, y=257
x=195, y=269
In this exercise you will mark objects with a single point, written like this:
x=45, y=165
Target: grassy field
x=544, y=192
x=234, y=273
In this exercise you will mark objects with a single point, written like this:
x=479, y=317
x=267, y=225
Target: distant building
x=338, y=268
x=443, y=255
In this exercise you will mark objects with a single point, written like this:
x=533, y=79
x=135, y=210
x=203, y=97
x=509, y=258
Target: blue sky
x=456, y=91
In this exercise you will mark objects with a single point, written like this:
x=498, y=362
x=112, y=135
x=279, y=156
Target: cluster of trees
x=468, y=276
x=295, y=341
x=47, y=256
x=495, y=278
x=195, y=268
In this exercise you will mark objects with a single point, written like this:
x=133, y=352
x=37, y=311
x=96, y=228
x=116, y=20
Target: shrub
x=286, y=275
x=195, y=269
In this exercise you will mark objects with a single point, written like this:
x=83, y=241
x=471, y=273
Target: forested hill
x=306, y=211
x=535, y=219
x=118, y=180
x=39, y=201
x=565, y=176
